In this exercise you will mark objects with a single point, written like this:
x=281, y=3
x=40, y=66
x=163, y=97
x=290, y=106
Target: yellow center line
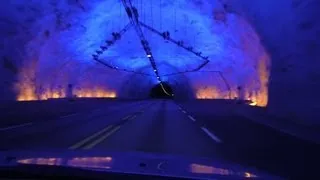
x=100, y=133
x=97, y=141
x=127, y=117
x=81, y=143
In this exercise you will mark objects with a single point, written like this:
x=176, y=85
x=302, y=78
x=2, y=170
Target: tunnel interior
x=49, y=45
x=162, y=91
x=200, y=48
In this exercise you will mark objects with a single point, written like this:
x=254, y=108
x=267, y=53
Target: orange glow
x=209, y=93
x=28, y=89
x=86, y=162
x=260, y=97
x=257, y=99
x=41, y=161
x=25, y=161
x=52, y=94
x=249, y=175
x=26, y=85
x=254, y=91
x=253, y=103
x=96, y=92
x=28, y=94
x=203, y=169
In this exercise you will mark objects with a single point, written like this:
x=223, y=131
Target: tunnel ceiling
x=49, y=44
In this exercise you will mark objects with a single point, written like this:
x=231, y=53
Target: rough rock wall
x=51, y=42
x=290, y=31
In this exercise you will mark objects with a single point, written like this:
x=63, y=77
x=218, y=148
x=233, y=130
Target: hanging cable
x=144, y=15
x=151, y=13
x=175, y=19
x=120, y=12
x=160, y=15
x=166, y=36
x=141, y=8
x=134, y=18
x=164, y=90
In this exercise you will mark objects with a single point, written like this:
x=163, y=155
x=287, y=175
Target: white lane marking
x=69, y=115
x=214, y=137
x=16, y=126
x=193, y=119
x=94, y=143
x=160, y=164
x=184, y=111
x=129, y=117
x=81, y=143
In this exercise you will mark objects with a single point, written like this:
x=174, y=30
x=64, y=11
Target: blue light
x=231, y=48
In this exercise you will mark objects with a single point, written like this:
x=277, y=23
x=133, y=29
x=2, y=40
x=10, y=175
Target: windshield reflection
x=106, y=163
x=85, y=162
x=205, y=169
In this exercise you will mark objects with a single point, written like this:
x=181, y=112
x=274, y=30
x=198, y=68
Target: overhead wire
x=175, y=19
x=160, y=15
x=120, y=9
x=164, y=90
x=151, y=13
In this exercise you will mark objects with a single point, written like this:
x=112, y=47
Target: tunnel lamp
x=155, y=70
x=148, y=55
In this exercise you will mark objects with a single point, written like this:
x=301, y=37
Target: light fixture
x=149, y=55
x=155, y=70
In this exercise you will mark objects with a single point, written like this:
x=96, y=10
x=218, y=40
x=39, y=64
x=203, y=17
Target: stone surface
x=47, y=45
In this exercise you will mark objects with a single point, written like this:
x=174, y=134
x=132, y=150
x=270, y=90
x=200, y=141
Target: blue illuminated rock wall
x=290, y=32
x=51, y=42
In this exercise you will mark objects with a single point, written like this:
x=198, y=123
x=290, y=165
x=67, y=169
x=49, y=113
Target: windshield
x=227, y=81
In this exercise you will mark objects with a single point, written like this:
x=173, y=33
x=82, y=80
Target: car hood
x=134, y=163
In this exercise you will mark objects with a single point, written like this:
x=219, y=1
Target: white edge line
x=193, y=119
x=91, y=137
x=16, y=126
x=184, y=111
x=69, y=115
x=274, y=127
x=214, y=137
x=101, y=138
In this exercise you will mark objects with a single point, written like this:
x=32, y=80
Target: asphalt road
x=163, y=126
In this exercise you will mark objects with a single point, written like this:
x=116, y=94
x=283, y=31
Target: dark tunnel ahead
x=163, y=91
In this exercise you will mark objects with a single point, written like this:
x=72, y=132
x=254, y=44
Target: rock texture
x=265, y=51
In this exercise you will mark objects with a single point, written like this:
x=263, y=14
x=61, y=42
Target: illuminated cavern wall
x=49, y=45
x=289, y=30
x=54, y=32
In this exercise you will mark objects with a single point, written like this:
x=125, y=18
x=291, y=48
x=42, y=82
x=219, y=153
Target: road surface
x=165, y=126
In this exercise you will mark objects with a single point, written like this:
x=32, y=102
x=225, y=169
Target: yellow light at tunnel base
x=26, y=87
x=27, y=92
x=28, y=95
x=98, y=93
x=257, y=97
x=213, y=93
